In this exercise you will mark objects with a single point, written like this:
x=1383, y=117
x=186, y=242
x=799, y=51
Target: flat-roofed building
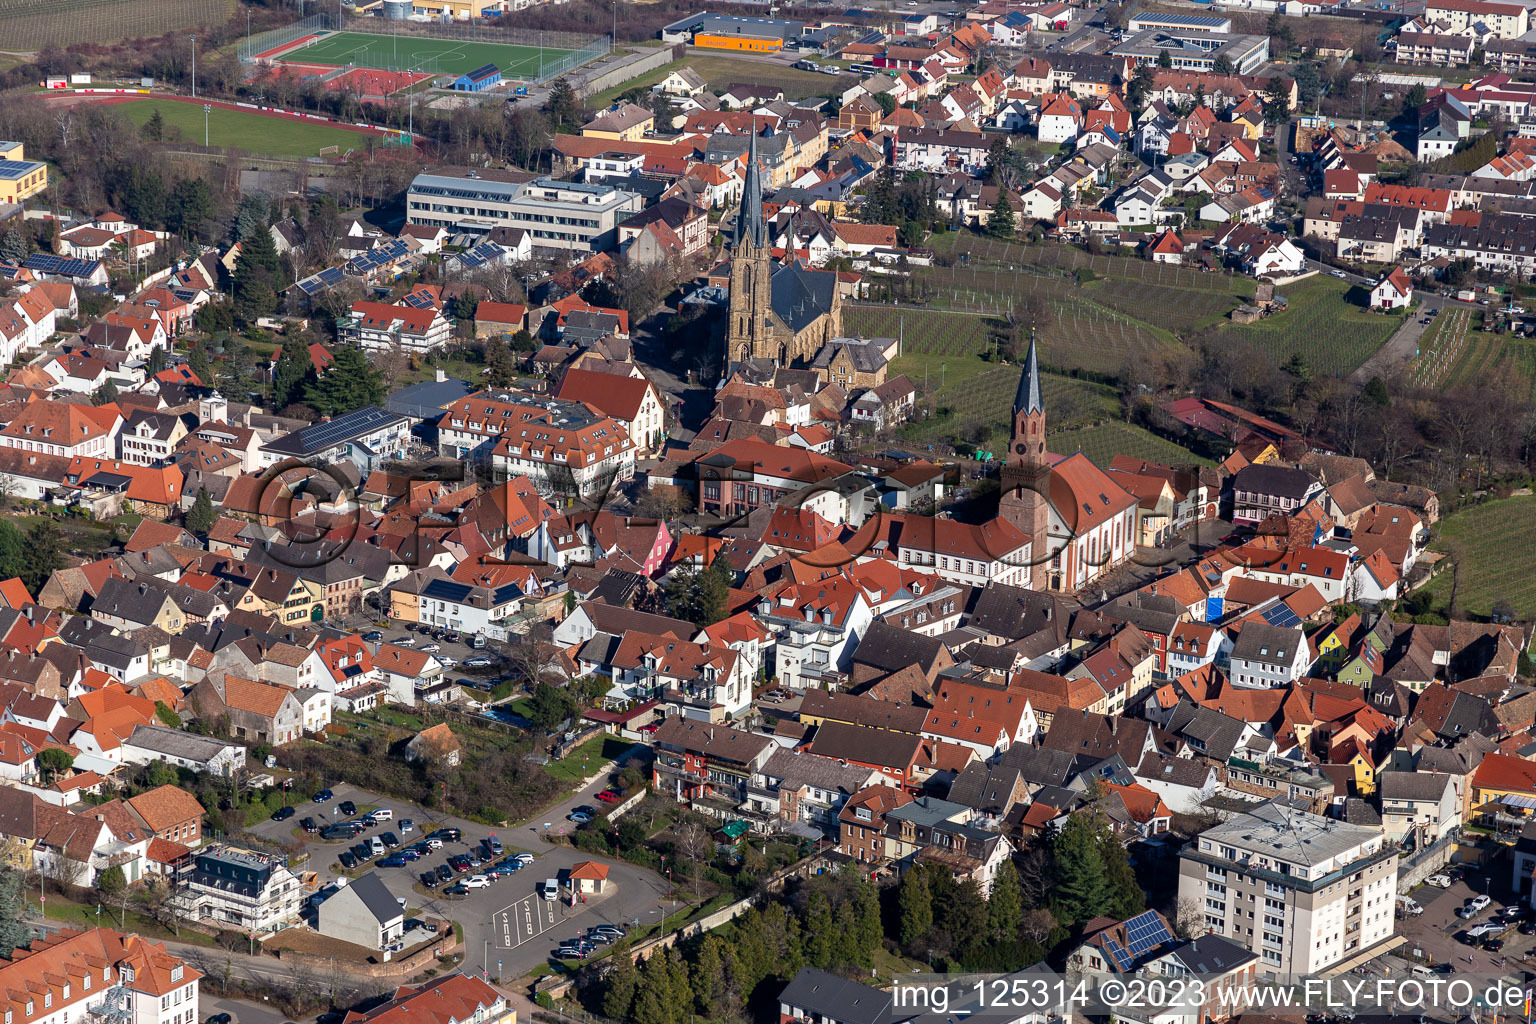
x=582, y=216
x=1320, y=891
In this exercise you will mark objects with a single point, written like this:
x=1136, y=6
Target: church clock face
x=1021, y=448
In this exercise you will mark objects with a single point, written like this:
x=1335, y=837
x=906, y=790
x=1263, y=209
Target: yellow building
x=19, y=177
x=739, y=43
x=460, y=10
x=627, y=122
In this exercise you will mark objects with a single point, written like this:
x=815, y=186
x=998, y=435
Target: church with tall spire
x=1082, y=523
x=1026, y=474
x=779, y=312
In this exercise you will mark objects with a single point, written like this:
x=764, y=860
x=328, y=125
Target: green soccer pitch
x=452, y=56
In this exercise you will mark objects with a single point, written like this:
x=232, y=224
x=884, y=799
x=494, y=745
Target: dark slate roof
x=1412, y=785
x=890, y=648
x=427, y=399
x=376, y=897
x=986, y=789
x=1212, y=954
x=1016, y=612
x=1040, y=766
x=1029, y=398
x=825, y=995
x=801, y=296
x=1264, y=478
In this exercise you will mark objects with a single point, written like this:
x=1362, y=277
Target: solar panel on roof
x=16, y=168
x=323, y=435
x=48, y=263
x=417, y=300
x=1281, y=615
x=1145, y=932
x=1121, y=957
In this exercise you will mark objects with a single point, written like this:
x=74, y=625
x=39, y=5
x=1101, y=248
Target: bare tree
x=1189, y=918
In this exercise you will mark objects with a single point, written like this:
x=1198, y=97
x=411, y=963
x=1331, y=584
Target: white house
x=1394, y=291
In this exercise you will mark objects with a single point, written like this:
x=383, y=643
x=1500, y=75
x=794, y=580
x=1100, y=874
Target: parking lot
x=508, y=928
x=1439, y=933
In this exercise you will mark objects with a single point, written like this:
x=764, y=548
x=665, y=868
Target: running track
x=114, y=98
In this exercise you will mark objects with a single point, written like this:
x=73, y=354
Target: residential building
x=1321, y=890
x=387, y=327
x=241, y=890
x=362, y=912
x=453, y=999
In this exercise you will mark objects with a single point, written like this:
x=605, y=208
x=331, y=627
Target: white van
x=381, y=814
x=550, y=889
x=1420, y=971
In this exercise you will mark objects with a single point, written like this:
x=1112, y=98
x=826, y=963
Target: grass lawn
x=448, y=56
x=1326, y=324
x=720, y=71
x=589, y=757
x=238, y=129
x=1496, y=562
x=61, y=908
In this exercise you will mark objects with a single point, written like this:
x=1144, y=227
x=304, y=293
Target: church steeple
x=1028, y=398
x=749, y=219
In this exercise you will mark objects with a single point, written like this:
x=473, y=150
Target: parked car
x=433, y=844
x=404, y=641
x=523, y=858
x=347, y=860
x=1439, y=881
x=347, y=808
x=309, y=825
x=428, y=879
x=447, y=835
x=373, y=636
x=322, y=796
x=219, y=1018
x=508, y=866
x=390, y=839
x=609, y=929
x=579, y=817
x=608, y=796
x=431, y=648
x=407, y=826
x=494, y=844
x=568, y=953
x=1479, y=903
x=283, y=813
x=1493, y=945
x=477, y=881
x=456, y=890
x=478, y=662
x=394, y=860
x=460, y=862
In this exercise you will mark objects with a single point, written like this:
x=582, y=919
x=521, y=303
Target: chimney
x=442, y=378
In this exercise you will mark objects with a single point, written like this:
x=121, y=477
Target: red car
x=608, y=796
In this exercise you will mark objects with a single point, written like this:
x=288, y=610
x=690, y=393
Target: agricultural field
x=1496, y=562
x=1443, y=349
x=1103, y=442
x=251, y=132
x=30, y=25
x=1174, y=308
x=445, y=56
x=1333, y=334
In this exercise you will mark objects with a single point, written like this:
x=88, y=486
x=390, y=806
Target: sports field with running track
x=445, y=56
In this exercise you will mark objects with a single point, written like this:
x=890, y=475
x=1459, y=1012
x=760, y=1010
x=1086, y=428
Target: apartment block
x=1301, y=891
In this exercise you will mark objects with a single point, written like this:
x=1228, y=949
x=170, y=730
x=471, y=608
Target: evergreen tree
x=45, y=554
x=499, y=361
x=201, y=516
x=845, y=938
x=708, y=980
x=961, y=913
x=1125, y=894
x=880, y=198
x=563, y=108
x=256, y=276
x=916, y=903
x=156, y=361
x=13, y=247
x=14, y=930
x=1001, y=221
x=1005, y=907
x=154, y=128
x=619, y=990
x=349, y=383
x=13, y=551
x=1164, y=60
x=107, y=393
x=251, y=218
x=199, y=364
x=190, y=208
x=522, y=341
x=866, y=904
x=144, y=198
x=819, y=927
x=682, y=593
x=715, y=591
x=1081, y=890
x=293, y=372
x=652, y=992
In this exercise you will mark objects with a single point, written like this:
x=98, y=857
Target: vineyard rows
x=1331, y=334
x=1442, y=349
x=29, y=25
x=1067, y=259
x=1484, y=351
x=1496, y=562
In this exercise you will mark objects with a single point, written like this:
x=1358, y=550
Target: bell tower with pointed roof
x=1026, y=475
x=749, y=332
